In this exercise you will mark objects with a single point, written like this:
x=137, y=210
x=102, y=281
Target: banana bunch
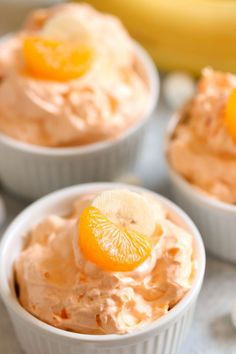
x=181, y=34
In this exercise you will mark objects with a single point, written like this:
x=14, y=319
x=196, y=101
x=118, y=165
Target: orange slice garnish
x=110, y=246
x=230, y=115
x=56, y=60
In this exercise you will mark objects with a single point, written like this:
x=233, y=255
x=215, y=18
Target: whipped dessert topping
x=58, y=285
x=202, y=150
x=99, y=105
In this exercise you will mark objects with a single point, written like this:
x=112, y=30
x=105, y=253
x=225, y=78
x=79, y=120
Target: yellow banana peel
x=181, y=34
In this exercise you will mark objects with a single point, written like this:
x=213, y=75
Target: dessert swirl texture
x=101, y=104
x=202, y=148
x=61, y=287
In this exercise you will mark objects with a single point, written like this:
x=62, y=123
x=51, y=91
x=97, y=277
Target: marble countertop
x=211, y=331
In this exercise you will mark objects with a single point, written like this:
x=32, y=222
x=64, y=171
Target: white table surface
x=212, y=331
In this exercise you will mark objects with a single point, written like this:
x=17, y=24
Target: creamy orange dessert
x=70, y=76
x=203, y=146
x=118, y=261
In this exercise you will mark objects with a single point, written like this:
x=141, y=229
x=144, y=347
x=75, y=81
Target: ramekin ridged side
x=164, y=336
x=216, y=220
x=168, y=341
x=32, y=175
x=32, y=171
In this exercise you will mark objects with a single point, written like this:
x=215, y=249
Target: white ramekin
x=163, y=336
x=32, y=171
x=216, y=220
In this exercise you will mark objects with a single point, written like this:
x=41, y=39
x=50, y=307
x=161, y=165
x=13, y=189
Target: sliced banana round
x=157, y=208
x=66, y=27
x=127, y=209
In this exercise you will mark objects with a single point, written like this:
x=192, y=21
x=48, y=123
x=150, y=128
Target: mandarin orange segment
x=111, y=246
x=56, y=60
x=230, y=115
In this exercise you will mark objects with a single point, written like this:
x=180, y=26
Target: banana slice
x=127, y=209
x=66, y=27
x=160, y=213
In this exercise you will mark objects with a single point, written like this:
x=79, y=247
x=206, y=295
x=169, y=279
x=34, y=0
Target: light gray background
x=211, y=331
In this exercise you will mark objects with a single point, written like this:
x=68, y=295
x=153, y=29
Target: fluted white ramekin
x=163, y=336
x=216, y=220
x=33, y=171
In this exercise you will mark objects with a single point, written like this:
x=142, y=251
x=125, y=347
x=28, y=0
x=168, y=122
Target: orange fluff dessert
x=118, y=261
x=203, y=146
x=69, y=77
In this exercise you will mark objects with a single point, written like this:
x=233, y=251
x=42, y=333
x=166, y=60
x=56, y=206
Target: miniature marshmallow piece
x=178, y=88
x=130, y=179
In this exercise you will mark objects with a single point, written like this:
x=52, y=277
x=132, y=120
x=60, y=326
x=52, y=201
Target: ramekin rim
x=159, y=323
x=154, y=81
x=211, y=201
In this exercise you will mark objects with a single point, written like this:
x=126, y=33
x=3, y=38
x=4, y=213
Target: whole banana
x=181, y=34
